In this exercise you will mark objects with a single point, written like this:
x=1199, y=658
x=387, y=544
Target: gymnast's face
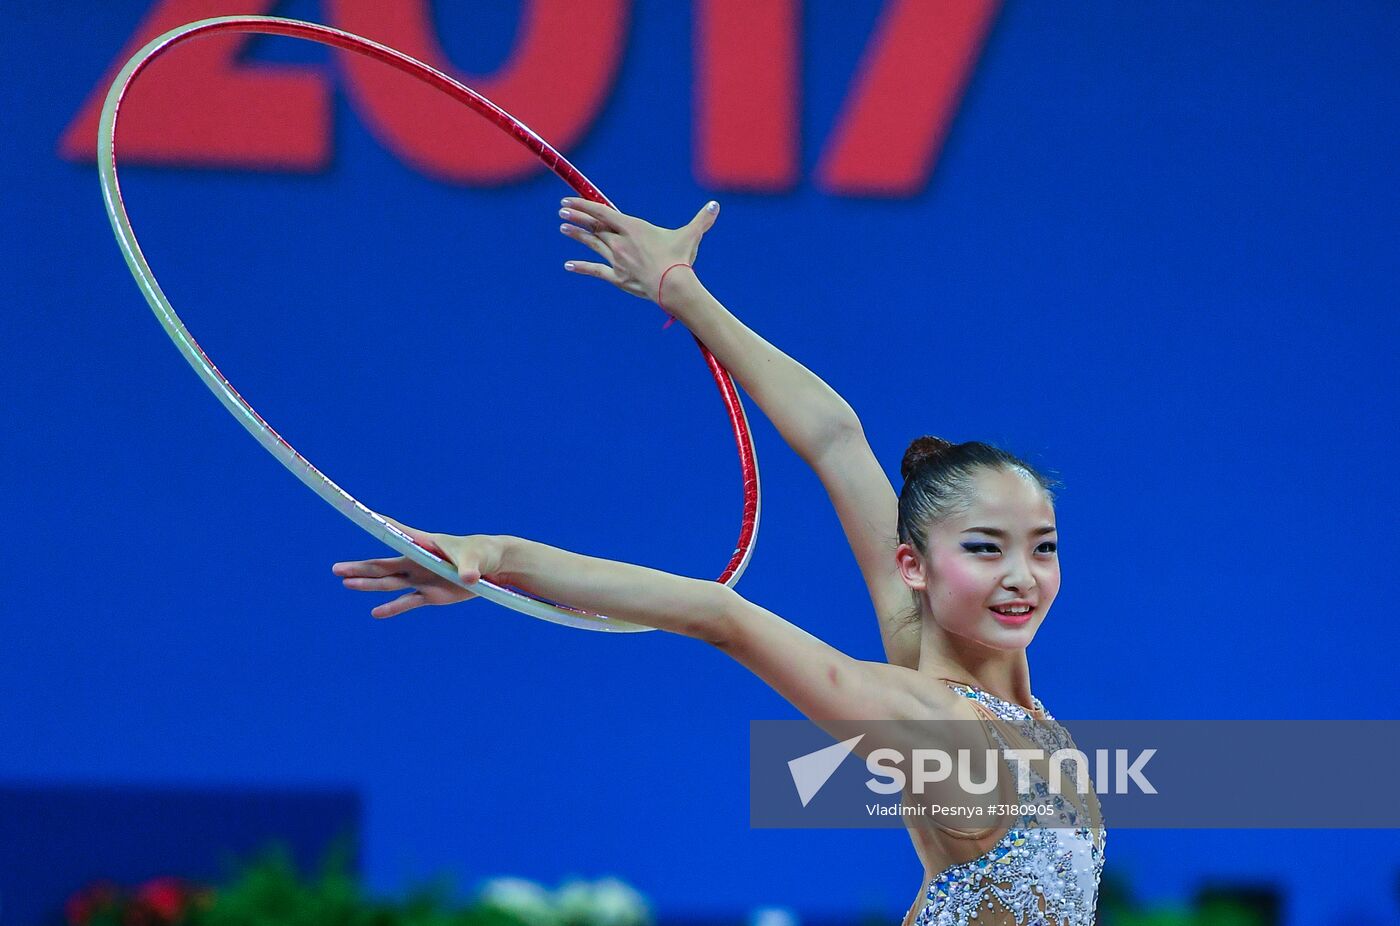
x=995, y=552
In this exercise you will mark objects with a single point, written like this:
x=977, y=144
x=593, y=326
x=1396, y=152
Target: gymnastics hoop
x=302, y=468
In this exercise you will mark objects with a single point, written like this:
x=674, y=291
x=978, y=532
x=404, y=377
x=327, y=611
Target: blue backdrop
x=1156, y=256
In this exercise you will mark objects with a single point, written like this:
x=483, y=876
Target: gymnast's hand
x=473, y=557
x=637, y=252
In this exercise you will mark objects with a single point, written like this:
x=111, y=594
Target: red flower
x=164, y=897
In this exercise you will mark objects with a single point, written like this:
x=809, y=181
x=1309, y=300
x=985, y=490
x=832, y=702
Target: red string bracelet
x=661, y=283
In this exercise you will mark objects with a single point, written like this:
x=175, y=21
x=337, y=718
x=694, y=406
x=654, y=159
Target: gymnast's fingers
x=372, y=568
x=582, y=219
x=385, y=584
x=601, y=271
x=588, y=238
x=399, y=605
x=608, y=217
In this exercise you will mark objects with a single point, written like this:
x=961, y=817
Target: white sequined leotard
x=1045, y=870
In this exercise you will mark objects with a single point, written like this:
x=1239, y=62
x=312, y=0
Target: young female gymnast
x=971, y=538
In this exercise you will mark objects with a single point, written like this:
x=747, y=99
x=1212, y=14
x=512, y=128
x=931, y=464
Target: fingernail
x=564, y=202
x=568, y=265
x=713, y=206
x=563, y=213
x=564, y=228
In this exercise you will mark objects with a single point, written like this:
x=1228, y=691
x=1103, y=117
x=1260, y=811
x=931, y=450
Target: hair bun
x=923, y=450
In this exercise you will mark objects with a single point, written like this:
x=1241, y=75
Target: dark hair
x=938, y=482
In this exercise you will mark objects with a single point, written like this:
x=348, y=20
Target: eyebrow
x=995, y=532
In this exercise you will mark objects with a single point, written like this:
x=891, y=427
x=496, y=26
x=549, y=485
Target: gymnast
x=961, y=567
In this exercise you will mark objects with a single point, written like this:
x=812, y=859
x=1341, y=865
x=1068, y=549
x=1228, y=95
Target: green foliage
x=1118, y=907
x=269, y=891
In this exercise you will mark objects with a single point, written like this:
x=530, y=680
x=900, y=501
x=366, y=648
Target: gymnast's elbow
x=695, y=608
x=751, y=635
x=722, y=620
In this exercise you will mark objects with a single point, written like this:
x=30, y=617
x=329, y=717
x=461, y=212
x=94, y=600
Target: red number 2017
x=211, y=110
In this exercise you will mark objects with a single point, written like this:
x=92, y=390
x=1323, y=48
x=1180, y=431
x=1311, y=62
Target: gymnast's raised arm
x=819, y=425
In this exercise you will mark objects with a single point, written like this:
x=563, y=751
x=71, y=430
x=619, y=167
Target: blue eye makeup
x=992, y=548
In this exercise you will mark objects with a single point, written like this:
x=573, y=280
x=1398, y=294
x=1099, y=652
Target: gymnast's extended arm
x=819, y=425
x=828, y=686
